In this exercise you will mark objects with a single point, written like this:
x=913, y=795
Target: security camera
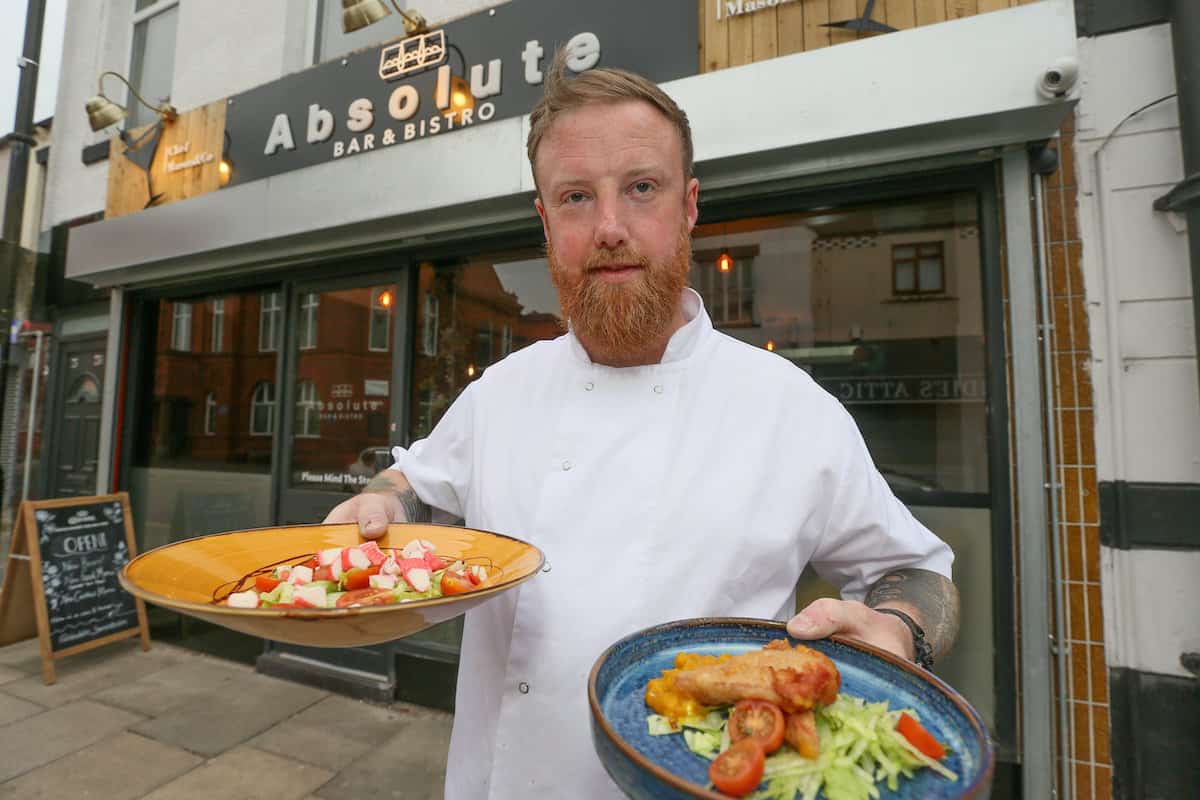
x=1057, y=80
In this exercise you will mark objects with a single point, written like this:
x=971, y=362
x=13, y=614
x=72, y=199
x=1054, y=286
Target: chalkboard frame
x=20, y=621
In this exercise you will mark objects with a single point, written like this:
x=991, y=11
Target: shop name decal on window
x=908, y=389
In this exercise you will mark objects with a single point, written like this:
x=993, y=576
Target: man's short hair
x=605, y=85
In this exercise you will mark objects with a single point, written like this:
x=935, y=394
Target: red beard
x=619, y=321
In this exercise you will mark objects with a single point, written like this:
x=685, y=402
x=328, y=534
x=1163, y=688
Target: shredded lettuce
x=859, y=749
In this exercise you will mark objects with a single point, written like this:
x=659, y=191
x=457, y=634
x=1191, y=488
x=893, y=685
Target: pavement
x=173, y=724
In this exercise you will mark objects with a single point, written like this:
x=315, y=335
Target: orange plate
x=183, y=577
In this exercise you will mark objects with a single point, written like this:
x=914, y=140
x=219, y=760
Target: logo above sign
x=413, y=54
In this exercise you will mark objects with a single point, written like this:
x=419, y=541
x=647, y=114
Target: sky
x=12, y=39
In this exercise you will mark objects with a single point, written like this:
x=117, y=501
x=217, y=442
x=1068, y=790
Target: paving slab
x=37, y=740
x=10, y=674
x=331, y=733
x=14, y=708
x=159, y=692
x=246, y=774
x=81, y=675
x=120, y=767
x=25, y=656
x=217, y=721
x=410, y=765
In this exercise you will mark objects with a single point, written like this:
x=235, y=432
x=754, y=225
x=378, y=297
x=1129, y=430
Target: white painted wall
x=1136, y=276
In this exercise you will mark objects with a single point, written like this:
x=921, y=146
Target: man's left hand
x=828, y=616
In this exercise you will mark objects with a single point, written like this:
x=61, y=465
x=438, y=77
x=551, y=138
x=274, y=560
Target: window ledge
x=921, y=298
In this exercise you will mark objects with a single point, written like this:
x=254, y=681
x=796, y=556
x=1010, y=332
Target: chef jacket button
x=589, y=386
x=523, y=687
x=658, y=389
x=566, y=465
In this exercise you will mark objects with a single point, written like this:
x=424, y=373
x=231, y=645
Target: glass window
x=833, y=292
x=270, y=325
x=308, y=410
x=262, y=409
x=152, y=61
x=210, y=414
x=429, y=326
x=474, y=297
x=181, y=326
x=196, y=468
x=332, y=42
x=309, y=302
x=218, y=325
x=381, y=320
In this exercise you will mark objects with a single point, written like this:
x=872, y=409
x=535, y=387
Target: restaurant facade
x=927, y=205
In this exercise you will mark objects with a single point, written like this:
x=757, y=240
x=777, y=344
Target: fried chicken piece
x=800, y=731
x=793, y=678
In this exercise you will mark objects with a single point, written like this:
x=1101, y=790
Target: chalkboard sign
x=70, y=552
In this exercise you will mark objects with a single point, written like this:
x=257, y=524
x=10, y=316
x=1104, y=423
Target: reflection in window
x=309, y=301
x=725, y=279
x=218, y=325
x=210, y=414
x=918, y=268
x=308, y=410
x=84, y=390
x=270, y=315
x=381, y=320
x=429, y=326
x=181, y=326
x=483, y=346
x=262, y=409
x=152, y=62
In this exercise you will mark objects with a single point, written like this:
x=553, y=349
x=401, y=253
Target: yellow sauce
x=666, y=699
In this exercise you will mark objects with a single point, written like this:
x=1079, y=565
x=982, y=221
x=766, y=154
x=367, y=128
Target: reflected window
x=181, y=326
x=309, y=302
x=84, y=390
x=210, y=414
x=725, y=279
x=152, y=62
x=308, y=410
x=381, y=319
x=918, y=268
x=270, y=317
x=262, y=409
x=429, y=326
x=217, y=344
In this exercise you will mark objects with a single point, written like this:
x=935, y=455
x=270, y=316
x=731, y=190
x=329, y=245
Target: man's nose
x=611, y=231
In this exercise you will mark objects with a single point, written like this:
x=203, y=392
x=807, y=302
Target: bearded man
x=667, y=470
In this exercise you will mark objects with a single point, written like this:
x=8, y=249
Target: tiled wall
x=1078, y=497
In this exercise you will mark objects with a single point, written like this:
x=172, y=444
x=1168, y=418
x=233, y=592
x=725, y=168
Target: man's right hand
x=387, y=498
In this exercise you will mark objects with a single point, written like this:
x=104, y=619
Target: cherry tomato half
x=739, y=769
x=265, y=583
x=455, y=583
x=366, y=597
x=919, y=737
x=758, y=720
x=359, y=578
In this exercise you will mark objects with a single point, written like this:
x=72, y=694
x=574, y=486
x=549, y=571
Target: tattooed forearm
x=927, y=597
x=414, y=509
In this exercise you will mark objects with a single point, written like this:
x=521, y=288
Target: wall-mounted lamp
x=385, y=299
x=103, y=112
x=225, y=168
x=358, y=14
x=470, y=370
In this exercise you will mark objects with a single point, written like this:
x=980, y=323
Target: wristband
x=920, y=646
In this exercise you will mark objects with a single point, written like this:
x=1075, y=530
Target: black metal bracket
x=1185, y=195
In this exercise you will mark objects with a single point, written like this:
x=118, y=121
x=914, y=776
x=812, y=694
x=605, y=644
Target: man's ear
x=691, y=203
x=541, y=209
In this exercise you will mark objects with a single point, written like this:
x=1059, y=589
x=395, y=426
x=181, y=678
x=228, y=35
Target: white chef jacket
x=699, y=486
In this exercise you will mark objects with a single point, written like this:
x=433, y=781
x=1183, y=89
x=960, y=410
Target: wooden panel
x=993, y=5
x=791, y=28
x=197, y=137
x=766, y=33
x=841, y=10
x=815, y=13
x=716, y=39
x=930, y=11
x=741, y=39
x=957, y=9
x=901, y=14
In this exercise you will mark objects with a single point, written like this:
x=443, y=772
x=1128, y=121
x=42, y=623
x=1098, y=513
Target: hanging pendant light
x=724, y=262
x=103, y=112
x=358, y=14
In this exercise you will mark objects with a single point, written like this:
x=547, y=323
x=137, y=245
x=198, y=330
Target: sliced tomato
x=455, y=583
x=366, y=597
x=758, y=720
x=312, y=563
x=265, y=583
x=739, y=769
x=919, y=737
x=359, y=578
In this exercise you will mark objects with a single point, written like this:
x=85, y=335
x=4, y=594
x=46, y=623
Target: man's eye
x=643, y=187
x=576, y=197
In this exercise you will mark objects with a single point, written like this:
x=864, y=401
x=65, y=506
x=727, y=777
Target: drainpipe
x=1185, y=197
x=21, y=144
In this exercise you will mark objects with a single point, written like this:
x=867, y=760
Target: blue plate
x=648, y=767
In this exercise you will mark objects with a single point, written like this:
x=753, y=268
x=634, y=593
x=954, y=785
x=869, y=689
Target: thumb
x=373, y=516
x=819, y=619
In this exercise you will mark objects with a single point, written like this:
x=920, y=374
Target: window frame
x=216, y=339
x=210, y=414
x=309, y=314
x=307, y=410
x=276, y=325
x=181, y=326
x=376, y=306
x=139, y=16
x=268, y=387
x=915, y=262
